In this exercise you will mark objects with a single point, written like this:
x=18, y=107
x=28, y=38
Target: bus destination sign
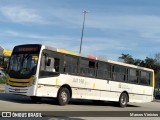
x=27, y=48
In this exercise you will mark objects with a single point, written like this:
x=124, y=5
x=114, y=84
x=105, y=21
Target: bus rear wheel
x=63, y=96
x=123, y=100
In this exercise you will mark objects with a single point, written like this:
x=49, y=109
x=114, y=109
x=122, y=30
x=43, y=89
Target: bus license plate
x=17, y=90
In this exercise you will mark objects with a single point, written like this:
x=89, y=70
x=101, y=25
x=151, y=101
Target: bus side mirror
x=48, y=62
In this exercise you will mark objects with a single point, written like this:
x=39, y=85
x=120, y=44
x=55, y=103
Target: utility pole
x=82, y=32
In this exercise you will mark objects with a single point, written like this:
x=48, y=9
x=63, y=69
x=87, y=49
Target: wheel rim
x=123, y=100
x=64, y=97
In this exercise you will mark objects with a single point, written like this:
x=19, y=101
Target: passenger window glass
x=145, y=78
x=118, y=73
x=104, y=70
x=70, y=64
x=133, y=76
x=87, y=67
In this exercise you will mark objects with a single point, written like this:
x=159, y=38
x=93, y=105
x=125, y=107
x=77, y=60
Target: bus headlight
x=33, y=81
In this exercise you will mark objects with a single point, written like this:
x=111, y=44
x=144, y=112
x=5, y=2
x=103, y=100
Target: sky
x=112, y=27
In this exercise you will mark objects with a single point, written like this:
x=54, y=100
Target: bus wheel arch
x=64, y=94
x=123, y=99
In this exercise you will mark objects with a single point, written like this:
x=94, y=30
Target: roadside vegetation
x=2, y=81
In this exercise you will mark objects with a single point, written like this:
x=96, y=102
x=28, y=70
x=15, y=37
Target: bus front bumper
x=28, y=91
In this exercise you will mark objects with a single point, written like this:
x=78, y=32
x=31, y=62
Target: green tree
x=138, y=62
x=157, y=58
x=126, y=58
x=150, y=63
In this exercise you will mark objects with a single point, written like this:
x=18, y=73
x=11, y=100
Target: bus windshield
x=23, y=65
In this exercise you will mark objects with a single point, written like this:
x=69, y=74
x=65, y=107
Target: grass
x=2, y=81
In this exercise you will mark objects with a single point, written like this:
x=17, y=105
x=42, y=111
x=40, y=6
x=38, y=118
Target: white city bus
x=42, y=71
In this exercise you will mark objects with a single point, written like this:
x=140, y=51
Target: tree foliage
x=148, y=62
x=126, y=58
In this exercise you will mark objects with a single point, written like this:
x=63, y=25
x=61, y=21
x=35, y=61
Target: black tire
x=123, y=100
x=35, y=99
x=63, y=96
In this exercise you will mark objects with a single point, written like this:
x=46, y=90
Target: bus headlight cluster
x=33, y=81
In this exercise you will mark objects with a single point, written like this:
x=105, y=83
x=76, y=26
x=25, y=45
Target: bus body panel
x=97, y=89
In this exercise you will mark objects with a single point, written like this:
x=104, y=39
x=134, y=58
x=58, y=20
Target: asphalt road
x=9, y=102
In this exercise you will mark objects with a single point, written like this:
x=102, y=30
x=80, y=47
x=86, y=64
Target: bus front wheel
x=123, y=100
x=63, y=96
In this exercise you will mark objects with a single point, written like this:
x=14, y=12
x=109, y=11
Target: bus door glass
x=49, y=64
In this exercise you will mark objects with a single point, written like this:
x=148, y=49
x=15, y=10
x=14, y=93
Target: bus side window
x=70, y=64
x=56, y=64
x=82, y=72
x=91, y=68
x=133, y=76
x=83, y=67
x=87, y=67
x=64, y=66
x=48, y=63
x=144, y=78
x=103, y=70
